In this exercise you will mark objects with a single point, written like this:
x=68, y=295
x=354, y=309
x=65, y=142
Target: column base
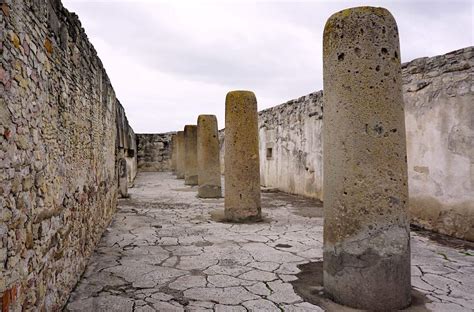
x=368, y=280
x=209, y=191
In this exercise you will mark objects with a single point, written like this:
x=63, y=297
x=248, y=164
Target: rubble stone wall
x=60, y=138
x=154, y=151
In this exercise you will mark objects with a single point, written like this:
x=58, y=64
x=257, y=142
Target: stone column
x=209, y=175
x=180, y=151
x=173, y=153
x=366, y=229
x=242, y=174
x=123, y=178
x=190, y=156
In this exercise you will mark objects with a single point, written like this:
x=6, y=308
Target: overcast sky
x=170, y=61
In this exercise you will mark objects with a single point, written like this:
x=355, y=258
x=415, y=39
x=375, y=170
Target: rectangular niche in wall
x=269, y=153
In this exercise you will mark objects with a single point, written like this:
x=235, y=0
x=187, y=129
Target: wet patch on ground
x=309, y=285
x=445, y=240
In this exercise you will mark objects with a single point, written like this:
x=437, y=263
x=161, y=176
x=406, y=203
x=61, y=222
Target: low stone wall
x=60, y=141
x=154, y=151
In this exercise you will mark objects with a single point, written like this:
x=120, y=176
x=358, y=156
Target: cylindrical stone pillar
x=242, y=174
x=123, y=178
x=180, y=155
x=366, y=230
x=209, y=175
x=173, y=153
x=190, y=157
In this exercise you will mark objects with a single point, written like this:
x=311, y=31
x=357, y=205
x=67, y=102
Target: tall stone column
x=123, y=178
x=242, y=173
x=190, y=156
x=209, y=175
x=180, y=151
x=173, y=153
x=366, y=230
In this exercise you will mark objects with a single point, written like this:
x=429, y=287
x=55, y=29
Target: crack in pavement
x=164, y=252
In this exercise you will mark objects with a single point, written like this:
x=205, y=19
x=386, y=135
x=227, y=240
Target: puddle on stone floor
x=309, y=285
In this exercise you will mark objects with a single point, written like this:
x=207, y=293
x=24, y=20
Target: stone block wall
x=154, y=151
x=59, y=145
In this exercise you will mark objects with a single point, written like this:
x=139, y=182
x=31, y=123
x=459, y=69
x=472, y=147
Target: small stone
x=48, y=45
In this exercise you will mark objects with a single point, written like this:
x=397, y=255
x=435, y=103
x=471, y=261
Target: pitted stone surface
x=242, y=189
x=366, y=227
x=209, y=175
x=190, y=155
x=180, y=155
x=163, y=252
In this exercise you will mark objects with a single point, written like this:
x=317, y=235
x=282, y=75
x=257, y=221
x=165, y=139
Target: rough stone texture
x=439, y=116
x=62, y=132
x=180, y=159
x=221, y=135
x=366, y=228
x=190, y=155
x=164, y=252
x=209, y=175
x=123, y=178
x=154, y=151
x=126, y=143
x=242, y=196
x=173, y=152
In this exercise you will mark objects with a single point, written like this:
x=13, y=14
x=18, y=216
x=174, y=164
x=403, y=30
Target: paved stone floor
x=164, y=251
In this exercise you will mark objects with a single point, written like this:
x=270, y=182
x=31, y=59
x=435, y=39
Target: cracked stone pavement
x=163, y=252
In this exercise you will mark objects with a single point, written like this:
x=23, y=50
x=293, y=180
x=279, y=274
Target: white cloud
x=170, y=61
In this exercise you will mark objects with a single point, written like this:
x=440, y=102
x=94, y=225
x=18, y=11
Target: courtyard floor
x=166, y=250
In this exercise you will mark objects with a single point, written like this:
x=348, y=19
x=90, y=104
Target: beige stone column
x=242, y=174
x=190, y=157
x=123, y=178
x=180, y=152
x=173, y=153
x=209, y=176
x=366, y=230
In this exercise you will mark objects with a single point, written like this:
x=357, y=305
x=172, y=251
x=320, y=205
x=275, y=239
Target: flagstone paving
x=166, y=250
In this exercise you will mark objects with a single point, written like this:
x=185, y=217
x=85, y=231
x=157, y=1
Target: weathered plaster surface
x=439, y=114
x=62, y=132
x=439, y=118
x=291, y=146
x=164, y=252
